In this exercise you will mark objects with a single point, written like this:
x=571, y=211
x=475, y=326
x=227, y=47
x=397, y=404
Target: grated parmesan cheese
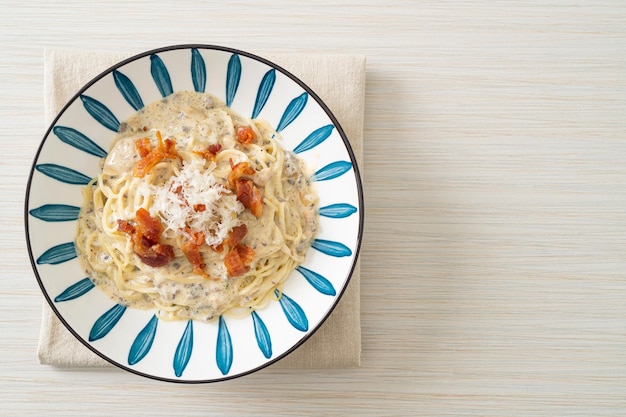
x=196, y=185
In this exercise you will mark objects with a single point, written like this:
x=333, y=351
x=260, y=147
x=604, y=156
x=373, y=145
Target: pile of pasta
x=197, y=211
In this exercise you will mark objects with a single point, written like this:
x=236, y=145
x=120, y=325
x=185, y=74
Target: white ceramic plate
x=191, y=351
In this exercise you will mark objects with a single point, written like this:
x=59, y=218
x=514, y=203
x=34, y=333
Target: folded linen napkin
x=340, y=81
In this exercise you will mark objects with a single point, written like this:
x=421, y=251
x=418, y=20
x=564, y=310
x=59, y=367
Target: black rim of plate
x=317, y=99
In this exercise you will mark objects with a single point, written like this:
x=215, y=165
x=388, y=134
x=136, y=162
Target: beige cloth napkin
x=340, y=81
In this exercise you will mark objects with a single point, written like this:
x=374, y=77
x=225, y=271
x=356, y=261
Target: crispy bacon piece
x=143, y=146
x=164, y=150
x=147, y=226
x=199, y=207
x=156, y=255
x=247, y=193
x=249, y=196
x=211, y=152
x=239, y=171
x=234, y=264
x=126, y=227
x=197, y=238
x=238, y=260
x=145, y=235
x=192, y=253
x=215, y=148
x=236, y=235
x=239, y=257
x=246, y=254
x=245, y=135
x=191, y=250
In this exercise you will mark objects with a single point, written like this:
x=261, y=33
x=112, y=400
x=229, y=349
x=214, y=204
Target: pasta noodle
x=197, y=211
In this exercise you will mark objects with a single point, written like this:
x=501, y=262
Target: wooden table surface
x=493, y=275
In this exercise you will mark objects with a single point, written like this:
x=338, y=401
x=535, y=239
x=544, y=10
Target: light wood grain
x=493, y=268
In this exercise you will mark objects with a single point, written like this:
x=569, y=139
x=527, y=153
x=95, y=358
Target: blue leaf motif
x=337, y=211
x=55, y=212
x=160, y=75
x=333, y=170
x=63, y=174
x=315, y=138
x=317, y=281
x=265, y=89
x=128, y=90
x=331, y=248
x=76, y=290
x=143, y=342
x=58, y=254
x=292, y=111
x=183, y=350
x=106, y=322
x=262, y=335
x=101, y=113
x=294, y=313
x=76, y=139
x=198, y=71
x=232, y=78
x=224, y=348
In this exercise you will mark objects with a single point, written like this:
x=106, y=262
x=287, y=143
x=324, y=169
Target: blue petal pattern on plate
x=101, y=113
x=265, y=89
x=76, y=139
x=55, y=212
x=337, y=211
x=292, y=111
x=223, y=348
x=143, y=342
x=160, y=75
x=331, y=248
x=58, y=254
x=333, y=170
x=63, y=174
x=106, y=322
x=183, y=350
x=232, y=78
x=198, y=71
x=269, y=94
x=315, y=138
x=128, y=90
x=263, y=339
x=294, y=313
x=317, y=281
x=82, y=287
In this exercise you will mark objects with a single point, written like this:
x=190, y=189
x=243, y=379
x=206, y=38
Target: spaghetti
x=197, y=211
